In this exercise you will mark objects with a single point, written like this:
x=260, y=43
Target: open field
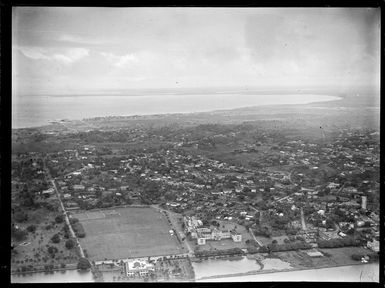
x=332, y=257
x=126, y=233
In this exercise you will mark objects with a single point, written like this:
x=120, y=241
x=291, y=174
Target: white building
x=49, y=191
x=78, y=187
x=216, y=235
x=236, y=237
x=374, y=246
x=138, y=267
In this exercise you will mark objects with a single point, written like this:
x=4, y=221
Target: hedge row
x=343, y=242
x=205, y=253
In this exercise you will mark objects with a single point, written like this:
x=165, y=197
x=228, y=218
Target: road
x=52, y=180
x=255, y=239
x=68, y=221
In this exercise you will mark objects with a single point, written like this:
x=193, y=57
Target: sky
x=57, y=50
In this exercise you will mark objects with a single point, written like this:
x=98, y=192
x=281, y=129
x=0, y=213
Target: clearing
x=121, y=233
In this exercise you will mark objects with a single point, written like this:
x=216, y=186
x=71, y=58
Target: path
x=68, y=221
x=255, y=239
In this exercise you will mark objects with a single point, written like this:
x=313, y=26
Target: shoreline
x=249, y=273
x=220, y=110
x=256, y=272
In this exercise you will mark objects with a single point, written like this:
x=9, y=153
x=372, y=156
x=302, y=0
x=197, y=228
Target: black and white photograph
x=195, y=144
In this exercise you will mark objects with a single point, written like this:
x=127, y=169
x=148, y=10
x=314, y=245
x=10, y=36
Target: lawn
x=127, y=233
x=332, y=257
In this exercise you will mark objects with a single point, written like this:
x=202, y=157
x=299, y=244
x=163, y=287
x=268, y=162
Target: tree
x=59, y=218
x=20, y=216
x=74, y=220
x=83, y=264
x=31, y=228
x=70, y=243
x=263, y=249
x=356, y=257
x=52, y=250
x=19, y=234
x=55, y=238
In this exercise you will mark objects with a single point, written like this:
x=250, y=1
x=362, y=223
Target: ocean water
x=214, y=267
x=54, y=277
x=353, y=273
x=32, y=111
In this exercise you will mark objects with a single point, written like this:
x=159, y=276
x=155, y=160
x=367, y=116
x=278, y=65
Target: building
x=191, y=223
x=138, y=267
x=49, y=191
x=374, y=246
x=236, y=237
x=66, y=196
x=364, y=201
x=203, y=234
x=78, y=187
x=314, y=254
x=201, y=241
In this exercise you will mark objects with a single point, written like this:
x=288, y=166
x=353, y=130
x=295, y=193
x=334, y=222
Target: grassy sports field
x=126, y=233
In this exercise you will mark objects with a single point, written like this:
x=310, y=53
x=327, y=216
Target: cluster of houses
x=213, y=189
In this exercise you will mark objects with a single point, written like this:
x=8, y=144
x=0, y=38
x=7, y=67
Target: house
x=332, y=185
x=138, y=267
x=78, y=187
x=236, y=237
x=49, y=191
x=201, y=241
x=374, y=246
x=66, y=196
x=314, y=254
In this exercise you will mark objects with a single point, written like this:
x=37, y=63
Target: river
x=31, y=110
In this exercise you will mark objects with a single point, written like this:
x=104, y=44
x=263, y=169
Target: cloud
x=65, y=56
x=33, y=53
x=207, y=47
x=82, y=39
x=119, y=61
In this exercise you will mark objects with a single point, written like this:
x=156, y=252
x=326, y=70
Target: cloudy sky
x=83, y=50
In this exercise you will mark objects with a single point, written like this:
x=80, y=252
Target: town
x=224, y=190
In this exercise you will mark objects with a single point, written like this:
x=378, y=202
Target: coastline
x=256, y=272
x=196, y=111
